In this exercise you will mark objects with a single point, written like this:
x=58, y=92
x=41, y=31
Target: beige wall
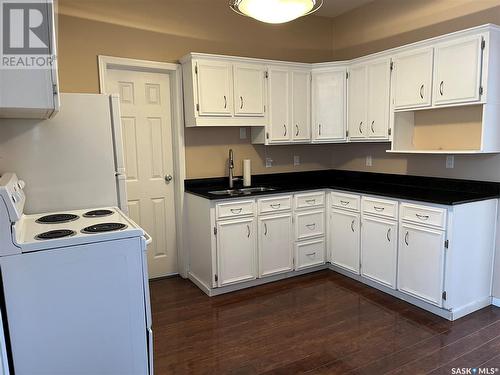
x=165, y=31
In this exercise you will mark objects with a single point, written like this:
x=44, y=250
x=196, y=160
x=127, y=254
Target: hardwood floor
x=321, y=323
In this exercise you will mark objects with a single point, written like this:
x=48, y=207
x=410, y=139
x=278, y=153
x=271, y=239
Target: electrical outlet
x=296, y=160
x=450, y=161
x=369, y=161
x=243, y=133
x=269, y=162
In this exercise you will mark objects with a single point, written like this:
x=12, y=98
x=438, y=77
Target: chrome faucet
x=231, y=170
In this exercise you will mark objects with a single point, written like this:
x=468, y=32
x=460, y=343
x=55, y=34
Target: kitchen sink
x=243, y=191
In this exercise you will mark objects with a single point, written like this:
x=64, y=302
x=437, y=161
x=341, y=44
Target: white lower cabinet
x=310, y=253
x=421, y=263
x=275, y=244
x=344, y=239
x=236, y=251
x=379, y=247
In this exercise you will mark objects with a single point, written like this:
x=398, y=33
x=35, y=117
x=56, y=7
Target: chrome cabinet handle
x=276, y=205
x=311, y=201
x=168, y=178
x=284, y=126
x=352, y=225
x=373, y=124
x=248, y=229
x=319, y=129
x=389, y=235
x=241, y=99
x=422, y=91
x=361, y=127
x=311, y=254
x=236, y=210
x=225, y=102
x=407, y=235
x=298, y=130
x=344, y=203
x=265, y=229
x=441, y=88
x=311, y=226
x=422, y=217
x=379, y=209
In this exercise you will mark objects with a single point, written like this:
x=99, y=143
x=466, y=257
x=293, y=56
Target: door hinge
x=266, y=74
x=347, y=75
x=347, y=133
x=444, y=296
x=196, y=69
x=264, y=108
x=267, y=135
x=215, y=231
x=483, y=44
x=198, y=107
x=216, y=278
x=446, y=244
x=54, y=89
x=480, y=90
x=390, y=131
x=392, y=66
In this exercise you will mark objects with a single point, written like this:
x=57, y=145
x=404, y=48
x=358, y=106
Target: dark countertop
x=416, y=188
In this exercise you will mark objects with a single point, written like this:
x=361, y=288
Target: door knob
x=168, y=178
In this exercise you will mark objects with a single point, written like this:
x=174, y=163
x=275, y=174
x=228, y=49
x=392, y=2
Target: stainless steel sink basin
x=243, y=191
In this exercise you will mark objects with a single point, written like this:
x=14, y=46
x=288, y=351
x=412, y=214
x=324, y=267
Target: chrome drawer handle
x=225, y=102
x=389, y=235
x=311, y=254
x=276, y=205
x=311, y=226
x=422, y=217
x=344, y=203
x=241, y=99
x=407, y=235
x=311, y=201
x=298, y=130
x=379, y=209
x=284, y=126
x=236, y=210
x=373, y=124
x=319, y=129
x=352, y=225
x=265, y=229
x=361, y=127
x=248, y=229
x=422, y=91
x=441, y=88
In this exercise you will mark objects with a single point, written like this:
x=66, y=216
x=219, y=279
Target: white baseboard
x=495, y=302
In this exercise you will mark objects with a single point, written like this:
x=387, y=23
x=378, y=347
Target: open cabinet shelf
x=470, y=129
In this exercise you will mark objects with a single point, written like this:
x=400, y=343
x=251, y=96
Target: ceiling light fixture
x=275, y=11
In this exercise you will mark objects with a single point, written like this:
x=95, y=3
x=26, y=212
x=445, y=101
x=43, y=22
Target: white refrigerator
x=73, y=161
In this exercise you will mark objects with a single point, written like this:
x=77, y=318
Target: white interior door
x=147, y=137
x=329, y=97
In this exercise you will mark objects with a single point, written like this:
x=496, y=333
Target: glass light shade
x=275, y=11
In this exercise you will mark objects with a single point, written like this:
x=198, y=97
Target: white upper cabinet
x=214, y=80
x=457, y=71
x=412, y=76
x=249, y=90
x=32, y=93
x=379, y=89
x=301, y=105
x=279, y=105
x=357, y=100
x=329, y=106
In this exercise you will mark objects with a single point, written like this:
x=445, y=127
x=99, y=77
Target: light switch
x=450, y=161
x=243, y=133
x=369, y=161
x=269, y=162
x=296, y=160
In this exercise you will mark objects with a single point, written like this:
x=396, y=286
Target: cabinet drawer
x=309, y=254
x=310, y=200
x=346, y=201
x=380, y=207
x=274, y=204
x=432, y=216
x=309, y=224
x=235, y=209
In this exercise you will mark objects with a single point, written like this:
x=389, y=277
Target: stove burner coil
x=104, y=227
x=57, y=218
x=55, y=234
x=98, y=213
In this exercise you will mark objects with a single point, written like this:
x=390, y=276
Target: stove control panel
x=12, y=193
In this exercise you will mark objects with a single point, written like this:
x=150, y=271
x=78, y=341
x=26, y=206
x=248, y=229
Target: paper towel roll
x=247, y=173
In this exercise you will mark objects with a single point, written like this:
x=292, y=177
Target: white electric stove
x=75, y=286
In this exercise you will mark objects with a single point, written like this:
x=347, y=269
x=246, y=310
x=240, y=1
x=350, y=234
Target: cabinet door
x=357, y=102
x=457, y=71
x=275, y=244
x=421, y=263
x=236, y=251
x=279, y=105
x=379, y=88
x=215, y=96
x=412, y=74
x=344, y=239
x=301, y=107
x=329, y=112
x=249, y=82
x=379, y=246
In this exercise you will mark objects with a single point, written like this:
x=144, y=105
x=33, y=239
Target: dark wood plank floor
x=321, y=323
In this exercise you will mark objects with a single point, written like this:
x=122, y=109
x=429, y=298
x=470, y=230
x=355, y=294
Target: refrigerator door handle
x=150, y=350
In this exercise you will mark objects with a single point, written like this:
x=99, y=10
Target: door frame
x=175, y=72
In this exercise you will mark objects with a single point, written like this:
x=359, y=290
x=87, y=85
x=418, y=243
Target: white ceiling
x=333, y=8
